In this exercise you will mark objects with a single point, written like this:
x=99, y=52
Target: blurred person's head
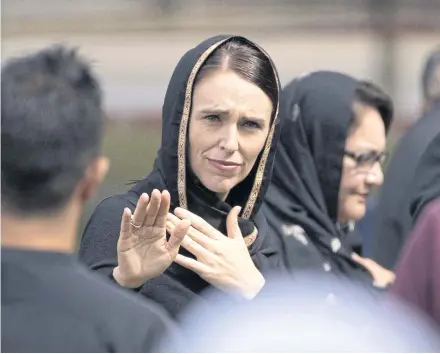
x=364, y=150
x=234, y=97
x=311, y=313
x=431, y=79
x=52, y=123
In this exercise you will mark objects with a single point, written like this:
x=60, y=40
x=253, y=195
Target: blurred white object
x=308, y=314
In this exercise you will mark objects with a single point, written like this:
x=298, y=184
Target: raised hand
x=223, y=261
x=143, y=250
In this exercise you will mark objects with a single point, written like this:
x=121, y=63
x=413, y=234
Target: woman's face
x=229, y=124
x=367, y=141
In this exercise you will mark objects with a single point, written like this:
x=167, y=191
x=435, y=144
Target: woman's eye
x=366, y=157
x=252, y=124
x=212, y=118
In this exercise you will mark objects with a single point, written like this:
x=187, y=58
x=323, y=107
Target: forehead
x=368, y=131
x=226, y=90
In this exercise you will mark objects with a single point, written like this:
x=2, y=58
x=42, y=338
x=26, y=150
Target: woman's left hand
x=382, y=277
x=223, y=261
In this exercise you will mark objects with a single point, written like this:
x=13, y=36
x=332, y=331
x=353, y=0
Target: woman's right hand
x=143, y=250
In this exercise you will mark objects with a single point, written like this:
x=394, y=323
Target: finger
x=198, y=223
x=170, y=226
x=177, y=234
x=126, y=227
x=152, y=208
x=196, y=235
x=173, y=218
x=195, y=248
x=164, y=208
x=141, y=209
x=232, y=226
x=357, y=258
x=192, y=264
x=365, y=262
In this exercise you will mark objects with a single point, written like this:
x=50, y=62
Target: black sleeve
x=98, y=249
x=268, y=258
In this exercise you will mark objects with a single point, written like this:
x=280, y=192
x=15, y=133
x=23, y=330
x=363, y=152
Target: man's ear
x=95, y=174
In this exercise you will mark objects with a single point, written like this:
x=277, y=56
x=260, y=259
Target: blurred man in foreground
x=51, y=129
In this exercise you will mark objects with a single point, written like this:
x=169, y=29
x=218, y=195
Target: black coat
x=425, y=186
x=177, y=286
x=393, y=221
x=302, y=201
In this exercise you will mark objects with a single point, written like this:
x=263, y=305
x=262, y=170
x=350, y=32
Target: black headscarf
x=171, y=170
x=317, y=109
x=177, y=286
x=426, y=182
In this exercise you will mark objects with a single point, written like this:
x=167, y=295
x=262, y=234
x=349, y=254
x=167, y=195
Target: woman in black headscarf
x=332, y=144
x=219, y=133
x=418, y=270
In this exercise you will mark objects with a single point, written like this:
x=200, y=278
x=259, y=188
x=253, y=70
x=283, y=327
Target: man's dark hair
x=431, y=77
x=51, y=129
x=372, y=95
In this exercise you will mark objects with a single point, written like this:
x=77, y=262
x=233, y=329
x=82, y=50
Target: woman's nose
x=375, y=175
x=229, y=139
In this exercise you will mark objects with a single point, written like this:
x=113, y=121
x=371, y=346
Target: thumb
x=365, y=262
x=232, y=223
x=178, y=234
x=356, y=258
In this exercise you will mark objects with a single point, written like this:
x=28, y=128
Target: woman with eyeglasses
x=329, y=160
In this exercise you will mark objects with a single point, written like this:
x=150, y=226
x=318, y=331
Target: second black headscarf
x=302, y=200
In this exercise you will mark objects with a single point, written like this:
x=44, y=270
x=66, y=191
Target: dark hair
x=431, y=76
x=246, y=60
x=372, y=95
x=51, y=129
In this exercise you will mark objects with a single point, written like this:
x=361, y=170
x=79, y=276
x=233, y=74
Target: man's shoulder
x=105, y=295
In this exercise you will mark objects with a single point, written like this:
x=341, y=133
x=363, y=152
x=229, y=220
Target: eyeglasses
x=367, y=160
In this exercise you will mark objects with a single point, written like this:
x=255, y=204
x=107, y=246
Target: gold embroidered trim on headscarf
x=249, y=239
x=181, y=151
x=247, y=212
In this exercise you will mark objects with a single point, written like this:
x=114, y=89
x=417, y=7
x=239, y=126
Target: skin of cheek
x=226, y=138
x=368, y=134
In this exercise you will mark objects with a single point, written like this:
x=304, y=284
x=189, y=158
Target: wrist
x=125, y=282
x=253, y=288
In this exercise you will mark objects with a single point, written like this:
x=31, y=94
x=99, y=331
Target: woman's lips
x=225, y=166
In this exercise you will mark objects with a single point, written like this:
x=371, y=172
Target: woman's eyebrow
x=214, y=111
x=258, y=120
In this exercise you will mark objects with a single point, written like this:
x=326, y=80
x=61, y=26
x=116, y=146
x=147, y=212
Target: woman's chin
x=354, y=213
x=220, y=187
